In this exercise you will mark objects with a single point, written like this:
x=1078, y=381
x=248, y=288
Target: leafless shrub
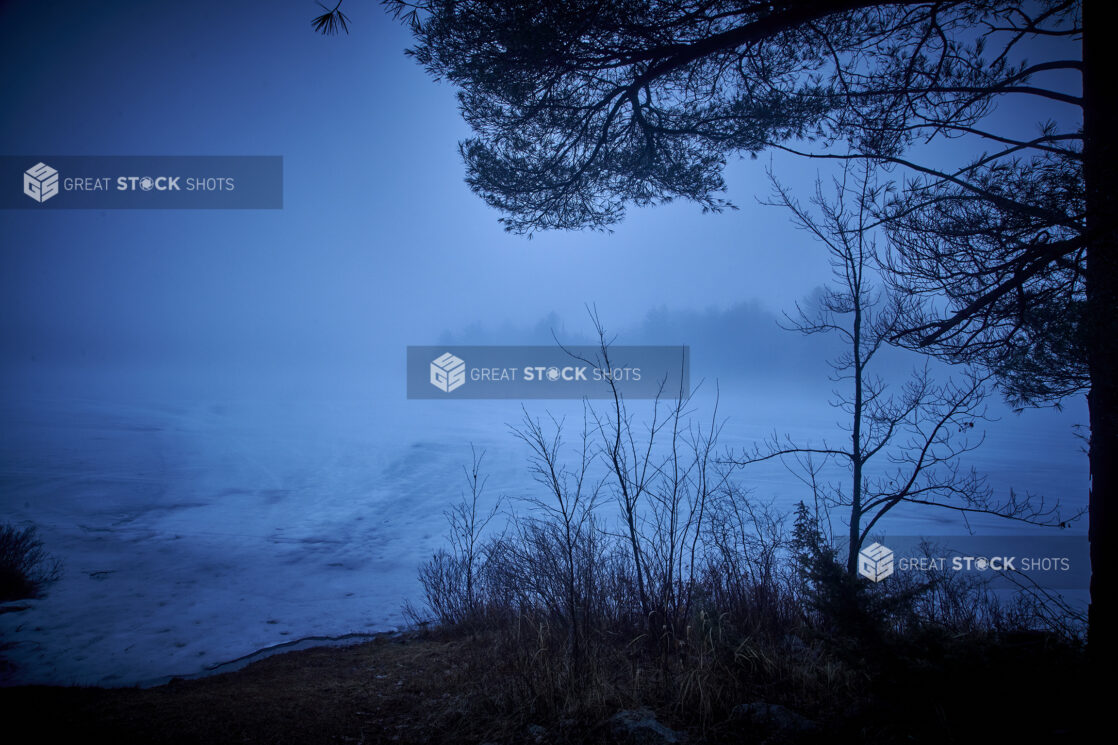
x=25, y=566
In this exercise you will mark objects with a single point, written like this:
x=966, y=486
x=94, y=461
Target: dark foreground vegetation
x=509, y=686
x=25, y=566
x=800, y=653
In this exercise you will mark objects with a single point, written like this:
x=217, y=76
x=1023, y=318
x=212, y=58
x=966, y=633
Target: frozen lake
x=199, y=531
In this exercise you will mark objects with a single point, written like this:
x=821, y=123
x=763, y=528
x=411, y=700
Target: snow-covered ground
x=194, y=533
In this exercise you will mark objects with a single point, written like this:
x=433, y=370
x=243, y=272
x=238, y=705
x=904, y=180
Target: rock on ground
x=639, y=726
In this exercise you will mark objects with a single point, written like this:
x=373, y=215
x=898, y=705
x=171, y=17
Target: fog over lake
x=204, y=412
x=204, y=514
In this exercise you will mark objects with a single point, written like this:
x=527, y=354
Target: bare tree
x=628, y=458
x=468, y=523
x=663, y=475
x=689, y=478
x=916, y=431
x=450, y=579
x=568, y=512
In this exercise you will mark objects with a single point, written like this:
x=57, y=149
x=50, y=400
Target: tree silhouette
x=581, y=109
x=905, y=442
x=1015, y=273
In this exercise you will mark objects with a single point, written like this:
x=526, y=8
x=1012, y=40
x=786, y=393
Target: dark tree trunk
x=1100, y=124
x=856, y=440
